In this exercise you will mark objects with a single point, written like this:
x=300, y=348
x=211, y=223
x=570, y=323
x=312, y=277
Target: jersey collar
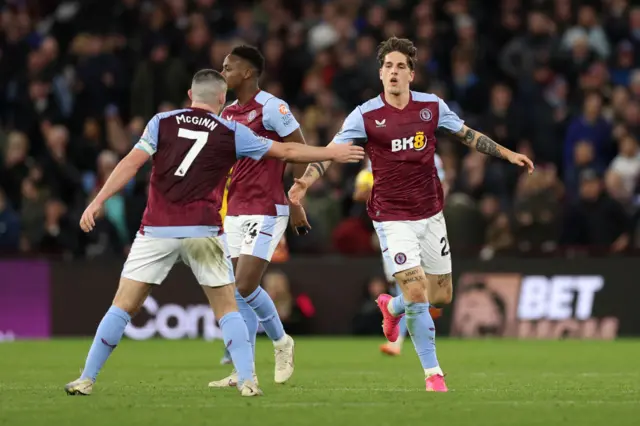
x=388, y=105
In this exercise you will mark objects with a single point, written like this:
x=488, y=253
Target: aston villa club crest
x=425, y=114
x=400, y=258
x=251, y=116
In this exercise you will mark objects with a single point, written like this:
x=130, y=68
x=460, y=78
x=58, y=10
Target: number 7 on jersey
x=200, y=139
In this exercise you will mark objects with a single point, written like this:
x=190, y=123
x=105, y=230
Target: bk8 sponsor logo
x=418, y=142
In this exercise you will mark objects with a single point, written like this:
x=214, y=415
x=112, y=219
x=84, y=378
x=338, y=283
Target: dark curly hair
x=402, y=45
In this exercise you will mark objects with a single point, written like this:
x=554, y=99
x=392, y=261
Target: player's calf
x=249, y=271
x=127, y=302
x=440, y=288
x=234, y=330
x=414, y=284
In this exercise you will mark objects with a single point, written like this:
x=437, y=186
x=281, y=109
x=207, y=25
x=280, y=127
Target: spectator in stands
x=59, y=230
x=520, y=56
x=627, y=165
x=589, y=126
x=623, y=63
x=503, y=121
x=323, y=211
x=588, y=26
x=114, y=208
x=9, y=226
x=596, y=222
x=584, y=158
x=157, y=79
x=546, y=119
x=86, y=148
x=60, y=174
x=537, y=211
x=498, y=233
x=614, y=186
x=634, y=31
x=367, y=320
x=15, y=168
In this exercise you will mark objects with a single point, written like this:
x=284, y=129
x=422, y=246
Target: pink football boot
x=435, y=383
x=389, y=322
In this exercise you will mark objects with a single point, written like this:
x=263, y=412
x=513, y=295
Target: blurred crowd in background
x=555, y=79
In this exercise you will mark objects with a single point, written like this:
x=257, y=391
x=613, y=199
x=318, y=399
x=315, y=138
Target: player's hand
x=297, y=191
x=522, y=161
x=88, y=222
x=298, y=219
x=347, y=153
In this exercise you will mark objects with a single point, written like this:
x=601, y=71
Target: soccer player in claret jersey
x=192, y=150
x=362, y=191
x=257, y=206
x=406, y=200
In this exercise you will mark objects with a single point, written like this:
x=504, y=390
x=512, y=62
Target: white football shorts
x=150, y=259
x=410, y=243
x=254, y=235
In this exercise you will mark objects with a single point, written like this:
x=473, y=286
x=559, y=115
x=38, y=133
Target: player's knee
x=416, y=294
x=245, y=287
x=131, y=296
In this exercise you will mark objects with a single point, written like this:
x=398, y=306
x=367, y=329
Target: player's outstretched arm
x=314, y=172
x=484, y=144
x=292, y=152
x=121, y=175
x=352, y=130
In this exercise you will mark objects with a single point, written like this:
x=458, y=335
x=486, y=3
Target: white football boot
x=230, y=381
x=249, y=388
x=79, y=387
x=284, y=354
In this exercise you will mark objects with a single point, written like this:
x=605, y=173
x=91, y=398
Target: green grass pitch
x=337, y=382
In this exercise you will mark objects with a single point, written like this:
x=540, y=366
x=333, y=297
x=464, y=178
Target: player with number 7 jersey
x=192, y=150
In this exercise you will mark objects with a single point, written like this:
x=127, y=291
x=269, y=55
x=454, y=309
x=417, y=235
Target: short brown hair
x=402, y=45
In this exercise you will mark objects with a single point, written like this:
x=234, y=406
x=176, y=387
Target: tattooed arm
x=352, y=130
x=314, y=172
x=484, y=144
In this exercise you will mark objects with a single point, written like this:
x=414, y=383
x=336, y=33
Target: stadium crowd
x=555, y=79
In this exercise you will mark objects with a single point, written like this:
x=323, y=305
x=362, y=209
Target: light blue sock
x=264, y=308
x=250, y=318
x=108, y=336
x=236, y=340
x=403, y=326
x=423, y=333
x=397, y=305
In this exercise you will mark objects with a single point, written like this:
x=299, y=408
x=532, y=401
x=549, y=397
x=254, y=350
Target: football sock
x=396, y=305
x=107, y=337
x=403, y=330
x=250, y=319
x=267, y=314
x=423, y=333
x=236, y=340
